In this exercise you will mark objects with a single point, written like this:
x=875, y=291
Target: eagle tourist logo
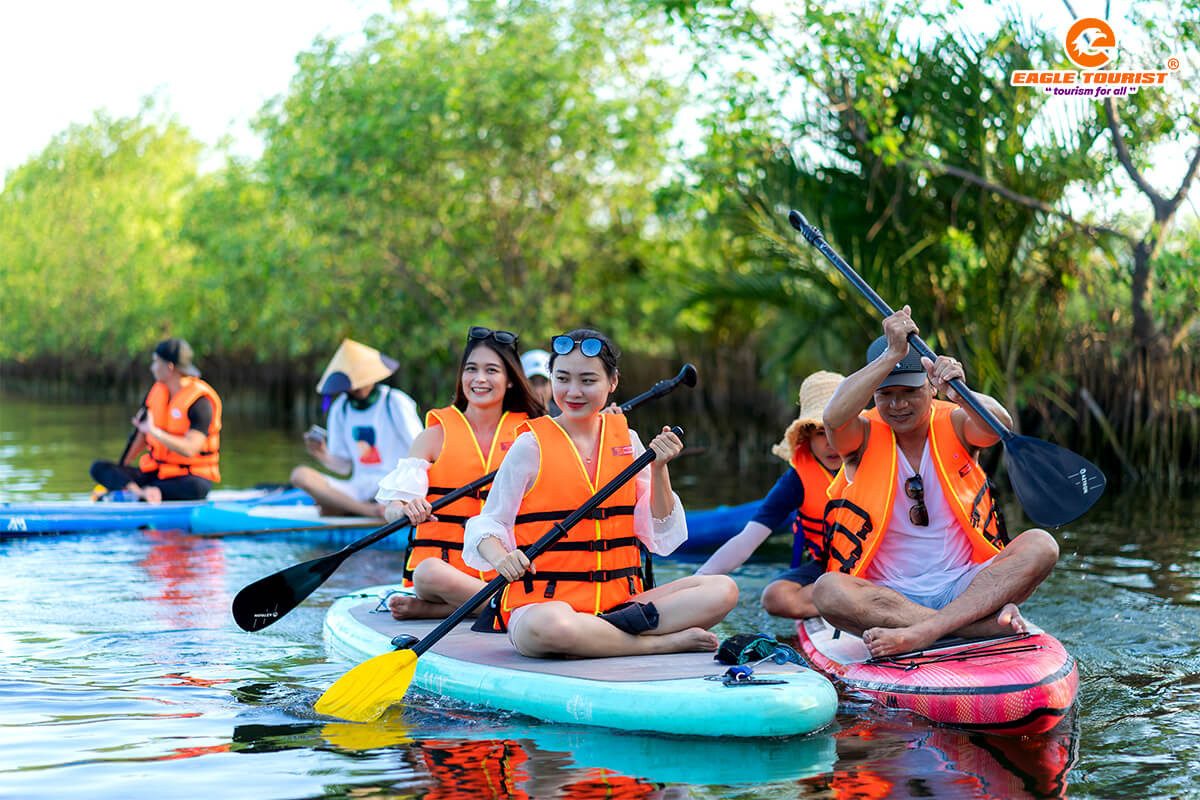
x=1091, y=44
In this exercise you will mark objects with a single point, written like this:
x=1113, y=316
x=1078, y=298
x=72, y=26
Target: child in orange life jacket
x=584, y=596
x=179, y=425
x=461, y=442
x=803, y=490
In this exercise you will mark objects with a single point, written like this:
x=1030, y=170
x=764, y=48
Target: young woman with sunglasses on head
x=584, y=596
x=461, y=442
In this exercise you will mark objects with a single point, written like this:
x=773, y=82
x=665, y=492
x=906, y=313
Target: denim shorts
x=940, y=599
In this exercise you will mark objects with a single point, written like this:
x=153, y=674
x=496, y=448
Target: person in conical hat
x=369, y=428
x=801, y=490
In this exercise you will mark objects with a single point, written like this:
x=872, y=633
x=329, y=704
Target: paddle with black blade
x=261, y=603
x=366, y=691
x=1052, y=484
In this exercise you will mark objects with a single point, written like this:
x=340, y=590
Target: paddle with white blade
x=1052, y=484
x=366, y=691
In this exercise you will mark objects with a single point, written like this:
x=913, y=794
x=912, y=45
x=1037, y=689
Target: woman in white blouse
x=461, y=443
x=584, y=596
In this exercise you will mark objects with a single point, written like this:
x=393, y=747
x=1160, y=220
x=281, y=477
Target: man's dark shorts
x=806, y=573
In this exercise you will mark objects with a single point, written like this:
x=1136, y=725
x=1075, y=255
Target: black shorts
x=806, y=573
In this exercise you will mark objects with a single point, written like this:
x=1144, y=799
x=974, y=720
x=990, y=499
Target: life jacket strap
x=603, y=512
x=597, y=545
x=478, y=494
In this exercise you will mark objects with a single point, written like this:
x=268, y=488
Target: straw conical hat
x=354, y=366
x=814, y=396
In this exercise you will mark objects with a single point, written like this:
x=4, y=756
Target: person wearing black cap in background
x=370, y=428
x=178, y=427
x=916, y=549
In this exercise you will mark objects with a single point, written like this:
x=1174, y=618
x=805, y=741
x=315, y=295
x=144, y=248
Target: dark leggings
x=115, y=476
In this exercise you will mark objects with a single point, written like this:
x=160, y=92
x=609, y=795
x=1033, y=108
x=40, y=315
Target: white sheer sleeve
x=661, y=536
x=408, y=481
x=516, y=474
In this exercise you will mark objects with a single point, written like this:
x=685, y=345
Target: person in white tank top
x=922, y=583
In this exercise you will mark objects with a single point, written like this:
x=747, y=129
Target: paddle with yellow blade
x=366, y=691
x=1052, y=484
x=261, y=603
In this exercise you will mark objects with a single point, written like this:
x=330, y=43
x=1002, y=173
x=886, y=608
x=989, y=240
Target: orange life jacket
x=170, y=414
x=600, y=783
x=809, y=526
x=460, y=462
x=598, y=563
x=858, y=513
x=489, y=769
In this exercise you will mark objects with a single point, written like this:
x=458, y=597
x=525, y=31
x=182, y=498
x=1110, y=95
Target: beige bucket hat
x=354, y=366
x=814, y=396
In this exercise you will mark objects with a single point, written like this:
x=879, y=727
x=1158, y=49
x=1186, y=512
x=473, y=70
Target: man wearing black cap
x=916, y=547
x=179, y=427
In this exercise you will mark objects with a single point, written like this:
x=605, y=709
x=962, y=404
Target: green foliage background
x=528, y=165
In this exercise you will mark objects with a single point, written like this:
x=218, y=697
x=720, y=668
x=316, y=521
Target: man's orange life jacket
x=460, y=462
x=858, y=513
x=170, y=414
x=598, y=563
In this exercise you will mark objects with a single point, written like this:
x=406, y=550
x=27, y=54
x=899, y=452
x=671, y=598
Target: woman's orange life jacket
x=488, y=769
x=170, y=414
x=460, y=462
x=597, y=565
x=809, y=525
x=858, y=513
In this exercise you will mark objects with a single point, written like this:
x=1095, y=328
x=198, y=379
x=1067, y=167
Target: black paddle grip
x=815, y=238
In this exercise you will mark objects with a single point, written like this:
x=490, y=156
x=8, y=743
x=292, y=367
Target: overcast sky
x=213, y=64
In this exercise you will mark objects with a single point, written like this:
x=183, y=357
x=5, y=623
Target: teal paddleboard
x=679, y=693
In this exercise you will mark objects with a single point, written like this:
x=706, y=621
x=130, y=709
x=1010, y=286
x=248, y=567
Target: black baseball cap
x=909, y=372
x=179, y=353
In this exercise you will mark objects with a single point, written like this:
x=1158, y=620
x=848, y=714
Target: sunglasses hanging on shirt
x=914, y=487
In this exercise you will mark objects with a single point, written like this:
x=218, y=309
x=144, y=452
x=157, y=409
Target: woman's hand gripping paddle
x=1052, y=484
x=366, y=691
x=263, y=602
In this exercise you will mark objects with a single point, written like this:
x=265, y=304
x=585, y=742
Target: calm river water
x=122, y=673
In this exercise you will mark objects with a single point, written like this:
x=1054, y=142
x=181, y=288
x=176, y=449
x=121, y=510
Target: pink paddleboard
x=1014, y=685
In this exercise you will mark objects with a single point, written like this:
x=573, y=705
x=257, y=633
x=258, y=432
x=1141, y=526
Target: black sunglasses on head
x=590, y=346
x=500, y=337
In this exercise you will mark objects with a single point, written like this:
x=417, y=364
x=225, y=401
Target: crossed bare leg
x=440, y=590
x=889, y=623
x=890, y=641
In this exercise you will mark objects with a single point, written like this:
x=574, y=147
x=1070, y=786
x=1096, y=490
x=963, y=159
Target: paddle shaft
x=815, y=238
x=551, y=536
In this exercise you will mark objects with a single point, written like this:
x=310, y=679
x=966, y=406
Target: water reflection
x=463, y=754
x=901, y=757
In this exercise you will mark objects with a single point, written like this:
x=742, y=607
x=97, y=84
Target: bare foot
x=1010, y=617
x=152, y=495
x=405, y=606
x=690, y=640
x=889, y=641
